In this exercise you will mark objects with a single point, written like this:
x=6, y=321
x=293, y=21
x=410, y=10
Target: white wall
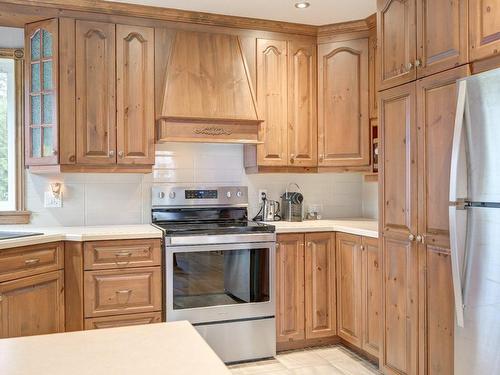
x=11, y=37
x=370, y=200
x=93, y=199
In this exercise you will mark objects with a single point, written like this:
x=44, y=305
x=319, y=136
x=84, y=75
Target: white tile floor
x=329, y=360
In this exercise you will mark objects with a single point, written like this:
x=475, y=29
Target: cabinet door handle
x=409, y=66
x=309, y=244
x=124, y=291
x=111, y=153
x=411, y=237
x=321, y=158
x=120, y=154
x=123, y=254
x=362, y=248
x=30, y=262
x=292, y=158
x=418, y=63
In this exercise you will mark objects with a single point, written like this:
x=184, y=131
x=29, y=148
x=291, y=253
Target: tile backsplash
x=95, y=199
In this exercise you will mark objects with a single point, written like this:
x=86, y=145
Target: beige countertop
x=357, y=226
x=173, y=348
x=90, y=233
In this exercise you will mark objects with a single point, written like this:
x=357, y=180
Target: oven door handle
x=221, y=247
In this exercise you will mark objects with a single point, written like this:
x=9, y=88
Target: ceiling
x=321, y=12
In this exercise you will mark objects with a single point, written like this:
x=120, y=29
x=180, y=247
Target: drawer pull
x=125, y=291
x=123, y=254
x=30, y=262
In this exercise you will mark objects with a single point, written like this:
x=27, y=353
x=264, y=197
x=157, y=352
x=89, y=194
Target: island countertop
x=173, y=348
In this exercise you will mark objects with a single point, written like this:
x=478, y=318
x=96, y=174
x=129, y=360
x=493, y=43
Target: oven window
x=215, y=278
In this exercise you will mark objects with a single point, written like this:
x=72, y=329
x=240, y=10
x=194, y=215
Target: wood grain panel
x=302, y=105
x=343, y=118
x=122, y=254
x=484, y=28
x=349, y=288
x=135, y=90
x=371, y=296
x=290, y=320
x=32, y=305
x=117, y=292
x=320, y=296
x=122, y=320
x=73, y=286
x=397, y=34
x=95, y=93
x=272, y=102
x=441, y=45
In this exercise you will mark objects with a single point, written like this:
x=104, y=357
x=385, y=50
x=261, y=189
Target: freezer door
x=482, y=124
x=477, y=343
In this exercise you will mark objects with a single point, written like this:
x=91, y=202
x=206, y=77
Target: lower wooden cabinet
x=122, y=321
x=328, y=287
x=359, y=297
x=32, y=305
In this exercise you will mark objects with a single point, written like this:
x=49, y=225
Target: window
x=11, y=150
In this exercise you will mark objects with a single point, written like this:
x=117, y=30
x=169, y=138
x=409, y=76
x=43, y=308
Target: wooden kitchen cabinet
x=95, y=93
x=302, y=110
x=484, y=28
x=442, y=40
x=397, y=42
x=397, y=108
x=122, y=320
x=320, y=294
x=32, y=305
x=436, y=106
x=75, y=126
x=343, y=109
x=290, y=278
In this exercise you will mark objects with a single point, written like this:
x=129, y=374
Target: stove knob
x=171, y=195
x=228, y=194
x=239, y=194
x=161, y=195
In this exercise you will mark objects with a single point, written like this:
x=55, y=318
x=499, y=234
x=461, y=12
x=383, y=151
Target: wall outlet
x=52, y=201
x=262, y=191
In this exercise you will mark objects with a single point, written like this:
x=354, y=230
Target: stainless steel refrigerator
x=475, y=224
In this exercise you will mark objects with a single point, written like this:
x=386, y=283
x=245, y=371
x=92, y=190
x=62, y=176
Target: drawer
x=122, y=320
x=125, y=291
x=30, y=260
x=100, y=255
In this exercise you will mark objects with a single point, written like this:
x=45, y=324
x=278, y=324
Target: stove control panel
x=199, y=196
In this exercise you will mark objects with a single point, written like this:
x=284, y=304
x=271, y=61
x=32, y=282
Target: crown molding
x=348, y=27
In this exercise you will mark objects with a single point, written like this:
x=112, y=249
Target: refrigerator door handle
x=456, y=203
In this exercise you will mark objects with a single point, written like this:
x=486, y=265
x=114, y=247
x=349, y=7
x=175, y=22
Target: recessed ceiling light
x=302, y=4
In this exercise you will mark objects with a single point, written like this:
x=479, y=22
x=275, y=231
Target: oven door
x=211, y=283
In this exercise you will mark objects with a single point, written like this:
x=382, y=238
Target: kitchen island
x=173, y=348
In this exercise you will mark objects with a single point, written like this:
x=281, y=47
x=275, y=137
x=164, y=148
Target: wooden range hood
x=208, y=95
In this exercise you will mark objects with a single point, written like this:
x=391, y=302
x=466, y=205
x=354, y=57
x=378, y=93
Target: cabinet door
x=95, y=93
x=436, y=118
x=343, y=118
x=484, y=28
x=32, y=305
x=372, y=74
x=302, y=111
x=399, y=226
x=397, y=44
x=272, y=102
x=371, y=291
x=135, y=94
x=321, y=319
x=41, y=109
x=348, y=249
x=441, y=45
x=290, y=288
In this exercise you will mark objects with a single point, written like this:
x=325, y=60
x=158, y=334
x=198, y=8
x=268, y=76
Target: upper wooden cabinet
x=286, y=98
x=441, y=45
x=397, y=36
x=343, y=118
x=90, y=94
x=484, y=28
x=414, y=41
x=302, y=111
x=95, y=93
x=42, y=96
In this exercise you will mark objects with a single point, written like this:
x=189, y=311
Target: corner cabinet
x=89, y=89
x=484, y=29
x=343, y=118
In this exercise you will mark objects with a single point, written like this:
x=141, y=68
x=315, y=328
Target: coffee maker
x=269, y=210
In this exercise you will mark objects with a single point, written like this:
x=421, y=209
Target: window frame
x=19, y=215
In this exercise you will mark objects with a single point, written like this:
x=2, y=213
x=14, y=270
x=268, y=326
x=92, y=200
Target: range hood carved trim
x=208, y=94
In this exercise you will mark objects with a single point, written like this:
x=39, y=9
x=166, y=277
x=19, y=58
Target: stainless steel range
x=219, y=269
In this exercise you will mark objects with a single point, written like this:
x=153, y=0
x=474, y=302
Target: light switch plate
x=51, y=201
